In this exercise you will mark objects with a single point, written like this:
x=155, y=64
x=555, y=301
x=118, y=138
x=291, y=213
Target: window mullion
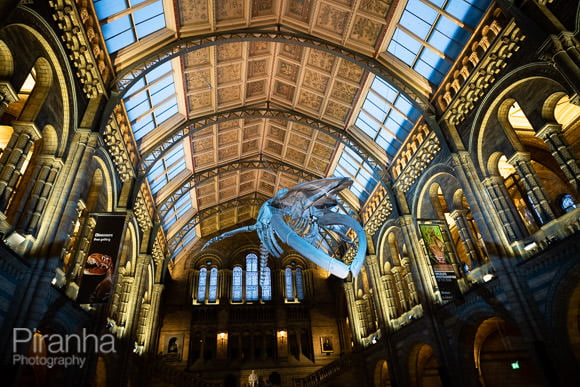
x=425, y=43
x=127, y=11
x=442, y=11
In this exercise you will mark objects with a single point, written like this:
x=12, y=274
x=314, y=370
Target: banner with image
x=97, y=276
x=440, y=259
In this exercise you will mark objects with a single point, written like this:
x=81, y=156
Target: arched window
x=201, y=284
x=213, y=279
x=289, y=284
x=207, y=288
x=251, y=277
x=299, y=286
x=266, y=284
x=293, y=278
x=237, y=284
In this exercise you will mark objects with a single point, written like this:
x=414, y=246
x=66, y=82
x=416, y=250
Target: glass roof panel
x=428, y=37
x=352, y=165
x=125, y=22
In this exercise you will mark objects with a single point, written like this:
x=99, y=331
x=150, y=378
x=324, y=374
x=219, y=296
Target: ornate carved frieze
x=492, y=45
x=87, y=51
x=419, y=161
x=142, y=213
x=117, y=148
x=377, y=210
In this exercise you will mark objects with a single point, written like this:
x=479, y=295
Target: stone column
x=49, y=167
x=353, y=313
x=466, y=237
x=565, y=58
x=504, y=208
x=86, y=236
x=552, y=135
x=413, y=297
x=153, y=318
x=398, y=279
x=391, y=302
x=13, y=158
x=380, y=293
x=532, y=185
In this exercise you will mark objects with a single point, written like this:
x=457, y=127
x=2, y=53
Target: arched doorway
x=382, y=377
x=502, y=358
x=424, y=368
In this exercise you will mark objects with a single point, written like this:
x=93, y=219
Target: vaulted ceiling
x=231, y=100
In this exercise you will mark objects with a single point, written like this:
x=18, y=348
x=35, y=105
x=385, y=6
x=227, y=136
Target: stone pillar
x=413, y=297
x=565, y=57
x=552, y=135
x=380, y=293
x=466, y=237
x=398, y=280
x=13, y=158
x=392, y=310
x=153, y=318
x=86, y=236
x=504, y=207
x=48, y=170
x=353, y=314
x=532, y=185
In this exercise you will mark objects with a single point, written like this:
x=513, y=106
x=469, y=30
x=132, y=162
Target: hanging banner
x=97, y=276
x=440, y=260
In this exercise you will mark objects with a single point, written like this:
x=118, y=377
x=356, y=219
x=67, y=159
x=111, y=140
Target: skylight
x=125, y=22
x=431, y=33
x=352, y=165
x=386, y=116
x=167, y=168
x=152, y=100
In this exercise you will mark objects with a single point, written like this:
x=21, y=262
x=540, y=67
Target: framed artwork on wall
x=326, y=344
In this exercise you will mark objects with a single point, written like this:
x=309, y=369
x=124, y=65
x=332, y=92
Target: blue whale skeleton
x=304, y=218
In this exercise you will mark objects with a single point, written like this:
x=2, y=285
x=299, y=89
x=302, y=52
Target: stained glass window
x=237, y=284
x=201, y=285
x=289, y=284
x=267, y=285
x=251, y=277
x=299, y=284
x=213, y=281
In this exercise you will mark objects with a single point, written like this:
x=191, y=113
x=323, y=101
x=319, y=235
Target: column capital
x=548, y=130
x=519, y=157
x=7, y=93
x=29, y=128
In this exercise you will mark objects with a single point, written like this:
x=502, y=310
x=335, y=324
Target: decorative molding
x=87, y=51
x=142, y=213
x=495, y=41
x=377, y=210
x=420, y=160
x=117, y=148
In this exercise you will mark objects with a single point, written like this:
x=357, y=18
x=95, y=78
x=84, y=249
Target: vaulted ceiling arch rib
x=415, y=89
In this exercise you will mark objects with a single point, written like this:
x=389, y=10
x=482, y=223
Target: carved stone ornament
x=302, y=218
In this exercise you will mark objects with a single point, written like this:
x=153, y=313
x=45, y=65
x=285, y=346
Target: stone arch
x=6, y=61
x=44, y=80
x=381, y=376
x=444, y=176
x=102, y=187
x=423, y=367
x=486, y=134
x=502, y=356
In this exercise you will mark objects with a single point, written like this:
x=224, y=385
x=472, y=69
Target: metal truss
x=276, y=33
x=253, y=200
x=154, y=153
x=198, y=178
